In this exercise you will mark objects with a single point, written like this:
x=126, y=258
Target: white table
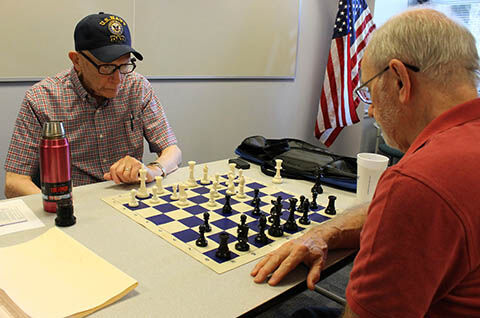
x=171, y=283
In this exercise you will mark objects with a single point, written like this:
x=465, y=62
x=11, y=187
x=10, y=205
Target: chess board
x=179, y=225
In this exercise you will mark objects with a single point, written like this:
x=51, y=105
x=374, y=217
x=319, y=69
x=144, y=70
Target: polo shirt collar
x=81, y=91
x=453, y=117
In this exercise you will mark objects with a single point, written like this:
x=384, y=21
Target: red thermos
x=55, y=166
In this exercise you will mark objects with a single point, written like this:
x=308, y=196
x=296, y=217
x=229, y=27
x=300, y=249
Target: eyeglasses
x=364, y=93
x=109, y=69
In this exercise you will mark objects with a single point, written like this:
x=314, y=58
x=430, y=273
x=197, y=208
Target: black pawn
x=276, y=230
x=304, y=218
x=201, y=241
x=206, y=216
x=261, y=238
x=291, y=225
x=65, y=215
x=223, y=252
x=255, y=197
x=301, y=204
x=242, y=237
x=227, y=208
x=306, y=206
x=330, y=210
x=314, y=204
x=256, y=210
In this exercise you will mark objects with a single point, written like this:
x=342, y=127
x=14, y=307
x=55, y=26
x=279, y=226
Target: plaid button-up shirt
x=99, y=135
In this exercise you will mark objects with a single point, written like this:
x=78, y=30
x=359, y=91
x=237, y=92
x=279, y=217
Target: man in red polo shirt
x=420, y=240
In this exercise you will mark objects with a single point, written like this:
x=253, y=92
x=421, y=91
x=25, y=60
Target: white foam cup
x=370, y=167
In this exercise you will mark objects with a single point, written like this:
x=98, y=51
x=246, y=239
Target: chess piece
x=276, y=230
x=227, y=208
x=182, y=195
x=174, y=195
x=314, y=204
x=217, y=178
x=232, y=169
x=216, y=194
x=223, y=252
x=211, y=201
x=205, y=176
x=318, y=183
x=256, y=210
x=142, y=192
x=65, y=215
x=240, y=173
x=261, y=238
x=206, y=216
x=133, y=201
x=304, y=218
x=330, y=210
x=306, y=205
x=255, y=197
x=201, y=241
x=291, y=225
x=242, y=237
x=231, y=185
x=155, y=194
x=191, y=177
x=278, y=166
x=241, y=187
x=301, y=204
x=158, y=183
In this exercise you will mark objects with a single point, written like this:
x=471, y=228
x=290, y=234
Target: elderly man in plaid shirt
x=107, y=110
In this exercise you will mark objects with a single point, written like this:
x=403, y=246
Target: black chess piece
x=318, y=183
x=276, y=230
x=261, y=238
x=314, y=204
x=306, y=206
x=206, y=216
x=300, y=205
x=65, y=215
x=255, y=197
x=201, y=241
x=223, y=252
x=330, y=210
x=291, y=225
x=242, y=237
x=304, y=218
x=273, y=211
x=227, y=208
x=256, y=210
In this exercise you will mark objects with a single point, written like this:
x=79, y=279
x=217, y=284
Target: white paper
x=16, y=216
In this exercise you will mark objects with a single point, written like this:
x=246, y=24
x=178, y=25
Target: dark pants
x=318, y=312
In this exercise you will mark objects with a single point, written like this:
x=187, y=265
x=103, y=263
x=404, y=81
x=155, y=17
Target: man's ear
x=75, y=58
x=403, y=80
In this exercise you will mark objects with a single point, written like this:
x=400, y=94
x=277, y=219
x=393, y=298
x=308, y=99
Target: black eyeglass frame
x=115, y=67
x=362, y=98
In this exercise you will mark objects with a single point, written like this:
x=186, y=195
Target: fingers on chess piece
x=223, y=252
x=330, y=210
x=201, y=241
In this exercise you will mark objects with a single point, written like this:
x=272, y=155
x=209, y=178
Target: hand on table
x=309, y=248
x=126, y=170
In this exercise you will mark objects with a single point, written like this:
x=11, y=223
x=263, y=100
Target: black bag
x=301, y=160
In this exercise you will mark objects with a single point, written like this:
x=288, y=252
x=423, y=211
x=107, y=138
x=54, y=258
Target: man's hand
x=309, y=248
x=126, y=170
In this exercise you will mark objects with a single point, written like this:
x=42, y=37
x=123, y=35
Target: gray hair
x=428, y=39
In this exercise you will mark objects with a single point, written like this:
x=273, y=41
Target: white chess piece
x=278, y=178
x=174, y=195
x=142, y=191
x=191, y=178
x=215, y=189
x=232, y=169
x=182, y=195
x=241, y=191
x=217, y=178
x=231, y=184
x=158, y=182
x=240, y=173
x=133, y=201
x=212, y=201
x=205, y=176
x=155, y=194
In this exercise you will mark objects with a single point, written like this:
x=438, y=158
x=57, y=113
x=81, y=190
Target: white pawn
x=133, y=201
x=142, y=191
x=174, y=195
x=217, y=178
x=155, y=195
x=183, y=195
x=232, y=169
x=278, y=178
x=240, y=173
x=191, y=178
x=241, y=191
x=158, y=182
x=212, y=201
x=231, y=185
x=205, y=176
x=215, y=189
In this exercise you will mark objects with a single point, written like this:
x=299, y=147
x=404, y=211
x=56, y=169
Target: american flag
x=337, y=107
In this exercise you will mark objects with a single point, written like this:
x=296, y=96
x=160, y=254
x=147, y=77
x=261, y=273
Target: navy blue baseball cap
x=104, y=35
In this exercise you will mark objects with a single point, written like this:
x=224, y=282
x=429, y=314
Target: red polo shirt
x=420, y=246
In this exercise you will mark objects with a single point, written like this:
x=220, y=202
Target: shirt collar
x=453, y=117
x=81, y=91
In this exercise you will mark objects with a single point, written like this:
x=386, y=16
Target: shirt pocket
x=134, y=133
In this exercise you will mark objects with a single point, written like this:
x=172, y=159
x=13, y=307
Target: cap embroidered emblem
x=115, y=27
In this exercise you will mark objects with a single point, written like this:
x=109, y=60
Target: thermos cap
x=53, y=129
